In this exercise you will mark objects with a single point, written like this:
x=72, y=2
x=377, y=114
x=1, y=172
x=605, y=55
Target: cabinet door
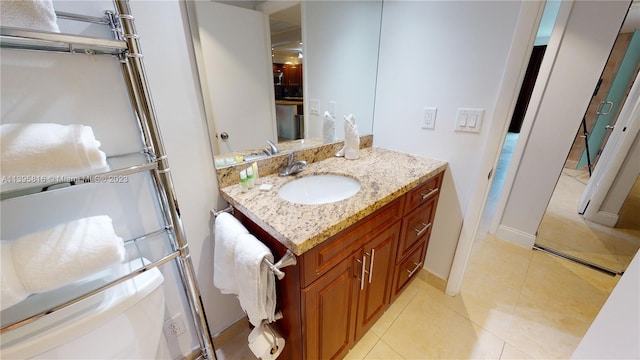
x=375, y=289
x=329, y=308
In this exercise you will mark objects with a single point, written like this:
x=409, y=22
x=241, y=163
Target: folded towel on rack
x=227, y=230
x=257, y=289
x=50, y=150
x=11, y=287
x=29, y=14
x=59, y=256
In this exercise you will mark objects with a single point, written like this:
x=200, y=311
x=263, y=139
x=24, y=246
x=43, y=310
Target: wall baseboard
x=432, y=279
x=605, y=218
x=223, y=337
x=515, y=236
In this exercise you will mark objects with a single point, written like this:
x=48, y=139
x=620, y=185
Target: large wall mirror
x=260, y=83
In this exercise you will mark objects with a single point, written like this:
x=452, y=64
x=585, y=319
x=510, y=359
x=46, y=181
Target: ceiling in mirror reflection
x=286, y=36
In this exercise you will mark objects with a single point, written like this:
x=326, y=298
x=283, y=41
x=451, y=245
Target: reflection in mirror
x=234, y=57
x=287, y=56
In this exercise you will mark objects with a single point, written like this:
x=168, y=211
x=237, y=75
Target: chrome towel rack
x=288, y=259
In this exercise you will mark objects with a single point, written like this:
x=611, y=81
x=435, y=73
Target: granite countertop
x=384, y=175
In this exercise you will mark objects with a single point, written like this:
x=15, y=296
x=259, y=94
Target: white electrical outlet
x=174, y=326
x=429, y=118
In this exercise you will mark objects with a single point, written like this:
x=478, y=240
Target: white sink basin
x=319, y=189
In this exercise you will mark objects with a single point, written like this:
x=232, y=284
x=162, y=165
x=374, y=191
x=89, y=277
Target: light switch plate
x=469, y=120
x=332, y=108
x=429, y=118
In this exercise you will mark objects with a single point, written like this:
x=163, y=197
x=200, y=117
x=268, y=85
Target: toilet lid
x=63, y=325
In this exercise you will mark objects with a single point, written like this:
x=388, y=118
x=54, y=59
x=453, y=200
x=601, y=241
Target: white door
x=236, y=64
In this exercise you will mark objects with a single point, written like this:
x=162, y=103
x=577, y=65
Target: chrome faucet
x=272, y=149
x=293, y=167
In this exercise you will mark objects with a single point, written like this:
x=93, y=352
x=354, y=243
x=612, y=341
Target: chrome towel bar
x=288, y=259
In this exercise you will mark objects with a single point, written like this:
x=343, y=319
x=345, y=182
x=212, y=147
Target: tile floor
x=514, y=304
x=610, y=248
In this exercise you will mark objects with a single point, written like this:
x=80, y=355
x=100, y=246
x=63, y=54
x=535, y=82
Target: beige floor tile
x=511, y=353
x=427, y=329
x=504, y=262
x=558, y=302
x=236, y=348
x=382, y=351
x=363, y=347
x=385, y=321
x=564, y=230
x=553, y=282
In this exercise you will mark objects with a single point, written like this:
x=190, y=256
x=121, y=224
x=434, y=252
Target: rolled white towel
x=49, y=149
x=328, y=128
x=227, y=231
x=29, y=14
x=66, y=253
x=351, y=148
x=11, y=289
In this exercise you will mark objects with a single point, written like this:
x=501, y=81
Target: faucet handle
x=273, y=148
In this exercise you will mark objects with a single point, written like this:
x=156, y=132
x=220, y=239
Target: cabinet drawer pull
x=431, y=192
x=373, y=253
x=424, y=228
x=411, y=272
x=363, y=271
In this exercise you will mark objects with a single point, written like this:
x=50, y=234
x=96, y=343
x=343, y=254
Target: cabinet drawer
x=322, y=258
x=409, y=268
x=416, y=226
x=426, y=191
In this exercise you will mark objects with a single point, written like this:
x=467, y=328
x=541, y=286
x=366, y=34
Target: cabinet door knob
x=424, y=228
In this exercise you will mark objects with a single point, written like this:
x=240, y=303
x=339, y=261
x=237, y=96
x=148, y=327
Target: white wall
x=171, y=70
x=340, y=61
x=555, y=111
x=615, y=331
x=624, y=181
x=429, y=60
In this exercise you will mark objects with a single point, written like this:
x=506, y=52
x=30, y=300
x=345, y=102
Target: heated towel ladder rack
x=125, y=47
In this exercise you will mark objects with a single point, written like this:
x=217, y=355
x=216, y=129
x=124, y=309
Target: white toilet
x=124, y=322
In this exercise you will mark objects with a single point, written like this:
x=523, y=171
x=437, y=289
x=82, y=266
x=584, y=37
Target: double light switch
x=469, y=120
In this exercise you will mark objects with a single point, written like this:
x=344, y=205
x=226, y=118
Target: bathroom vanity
x=355, y=256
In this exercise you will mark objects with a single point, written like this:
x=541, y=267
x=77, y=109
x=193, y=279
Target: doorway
x=512, y=136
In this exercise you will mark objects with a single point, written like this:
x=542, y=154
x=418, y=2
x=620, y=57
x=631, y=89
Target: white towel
x=256, y=285
x=227, y=230
x=351, y=148
x=328, y=128
x=60, y=255
x=49, y=149
x=11, y=287
x=29, y=14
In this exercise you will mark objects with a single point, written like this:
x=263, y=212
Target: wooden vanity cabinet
x=417, y=222
x=340, y=288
